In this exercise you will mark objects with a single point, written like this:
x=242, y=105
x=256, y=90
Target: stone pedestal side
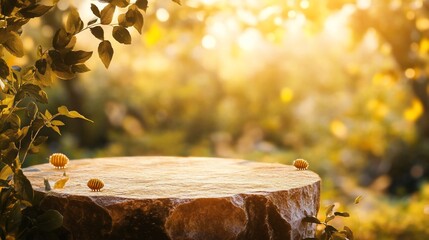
x=182, y=198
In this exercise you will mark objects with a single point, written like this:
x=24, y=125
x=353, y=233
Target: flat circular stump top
x=172, y=177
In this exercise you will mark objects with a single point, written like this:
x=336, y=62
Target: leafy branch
x=329, y=232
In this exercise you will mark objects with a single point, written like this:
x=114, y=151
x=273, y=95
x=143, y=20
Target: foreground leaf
x=121, y=35
x=71, y=114
x=49, y=221
x=5, y=172
x=311, y=220
x=73, y=24
x=35, y=10
x=23, y=186
x=13, y=220
x=342, y=214
x=98, y=32
x=4, y=69
x=106, y=14
x=14, y=44
x=358, y=199
x=142, y=4
x=105, y=52
x=95, y=10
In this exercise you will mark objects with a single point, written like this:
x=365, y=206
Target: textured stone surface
x=182, y=198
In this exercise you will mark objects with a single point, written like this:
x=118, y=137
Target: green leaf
x=330, y=209
x=80, y=68
x=23, y=186
x=23, y=132
x=105, y=52
x=121, y=35
x=139, y=22
x=107, y=14
x=5, y=172
x=14, y=120
x=349, y=233
x=330, y=229
x=2, y=234
x=311, y=219
x=358, y=199
x=56, y=129
x=47, y=115
x=92, y=21
x=61, y=39
x=57, y=123
x=14, y=218
x=123, y=21
x=4, y=69
x=73, y=24
x=74, y=57
x=14, y=44
x=41, y=65
x=6, y=198
x=120, y=3
x=10, y=154
x=39, y=140
x=7, y=7
x=71, y=114
x=342, y=214
x=32, y=90
x=95, y=10
x=49, y=220
x=35, y=10
x=329, y=218
x=142, y=4
x=98, y=32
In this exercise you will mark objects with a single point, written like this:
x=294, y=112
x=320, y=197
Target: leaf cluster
x=133, y=17
x=330, y=232
x=22, y=96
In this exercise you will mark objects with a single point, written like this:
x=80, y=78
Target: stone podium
x=179, y=198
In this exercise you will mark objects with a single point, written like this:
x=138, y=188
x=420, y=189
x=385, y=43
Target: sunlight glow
x=208, y=42
x=269, y=12
x=363, y=4
x=413, y=112
x=249, y=39
x=410, y=73
x=208, y=2
x=291, y=14
x=304, y=4
x=162, y=15
x=339, y=129
x=286, y=95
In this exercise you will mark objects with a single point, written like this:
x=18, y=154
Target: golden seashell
x=300, y=164
x=58, y=160
x=95, y=184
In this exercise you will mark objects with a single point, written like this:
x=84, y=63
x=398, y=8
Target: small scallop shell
x=58, y=160
x=300, y=164
x=95, y=184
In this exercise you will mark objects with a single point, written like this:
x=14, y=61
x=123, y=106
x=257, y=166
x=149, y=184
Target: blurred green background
x=340, y=83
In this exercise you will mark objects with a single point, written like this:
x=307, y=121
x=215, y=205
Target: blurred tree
x=403, y=26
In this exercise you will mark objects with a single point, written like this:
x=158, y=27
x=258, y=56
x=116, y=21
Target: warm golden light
x=162, y=15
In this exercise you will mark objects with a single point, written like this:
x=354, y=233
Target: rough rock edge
x=105, y=219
